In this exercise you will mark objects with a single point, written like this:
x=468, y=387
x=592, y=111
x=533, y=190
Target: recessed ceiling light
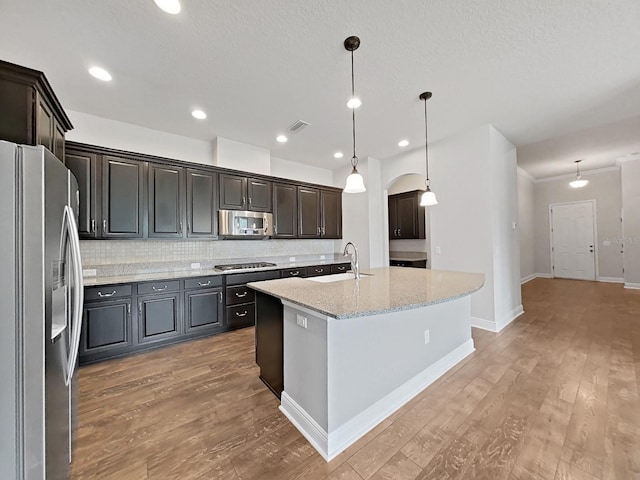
x=199, y=114
x=354, y=102
x=338, y=155
x=281, y=138
x=403, y=143
x=100, y=74
x=170, y=6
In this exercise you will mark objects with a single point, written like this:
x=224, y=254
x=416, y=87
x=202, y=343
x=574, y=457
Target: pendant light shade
x=579, y=182
x=428, y=197
x=355, y=182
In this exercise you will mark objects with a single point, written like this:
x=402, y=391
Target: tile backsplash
x=108, y=252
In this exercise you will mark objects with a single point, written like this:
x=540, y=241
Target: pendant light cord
x=426, y=142
x=354, y=159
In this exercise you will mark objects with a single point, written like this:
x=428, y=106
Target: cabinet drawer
x=242, y=278
x=203, y=282
x=341, y=268
x=318, y=270
x=243, y=315
x=106, y=292
x=294, y=272
x=240, y=294
x=158, y=287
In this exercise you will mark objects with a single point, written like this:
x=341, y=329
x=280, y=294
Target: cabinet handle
x=93, y=225
x=129, y=311
x=341, y=268
x=180, y=227
x=188, y=227
x=399, y=234
x=319, y=270
x=155, y=289
x=275, y=228
x=249, y=202
x=243, y=314
x=101, y=295
x=244, y=200
x=322, y=230
x=205, y=284
x=219, y=297
x=140, y=309
x=294, y=274
x=104, y=226
x=318, y=230
x=241, y=295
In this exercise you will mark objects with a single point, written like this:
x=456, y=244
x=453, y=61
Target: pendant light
x=428, y=197
x=355, y=182
x=579, y=182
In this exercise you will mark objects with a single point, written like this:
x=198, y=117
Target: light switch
x=301, y=321
x=438, y=250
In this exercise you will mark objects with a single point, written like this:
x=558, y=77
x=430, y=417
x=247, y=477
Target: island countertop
x=379, y=290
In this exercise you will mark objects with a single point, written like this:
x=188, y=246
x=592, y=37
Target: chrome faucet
x=355, y=266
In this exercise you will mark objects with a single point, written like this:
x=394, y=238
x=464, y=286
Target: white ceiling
x=535, y=70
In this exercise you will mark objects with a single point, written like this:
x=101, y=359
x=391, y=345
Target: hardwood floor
x=553, y=396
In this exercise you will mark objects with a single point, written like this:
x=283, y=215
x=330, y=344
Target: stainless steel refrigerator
x=41, y=296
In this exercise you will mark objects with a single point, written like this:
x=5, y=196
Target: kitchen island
x=354, y=351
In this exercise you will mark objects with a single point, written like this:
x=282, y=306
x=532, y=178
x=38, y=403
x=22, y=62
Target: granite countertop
x=408, y=256
x=169, y=274
x=386, y=290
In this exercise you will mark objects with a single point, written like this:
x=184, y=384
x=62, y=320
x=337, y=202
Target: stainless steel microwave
x=244, y=224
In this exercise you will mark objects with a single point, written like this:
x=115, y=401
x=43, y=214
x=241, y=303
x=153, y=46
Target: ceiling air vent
x=297, y=126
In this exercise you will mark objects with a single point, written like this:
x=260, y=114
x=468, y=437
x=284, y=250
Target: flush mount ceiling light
x=338, y=155
x=355, y=182
x=579, y=182
x=199, y=114
x=403, y=143
x=281, y=138
x=428, y=197
x=170, y=6
x=100, y=74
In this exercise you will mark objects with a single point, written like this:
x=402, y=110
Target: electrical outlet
x=427, y=338
x=292, y=259
x=89, y=272
x=438, y=250
x=195, y=265
x=322, y=257
x=301, y=321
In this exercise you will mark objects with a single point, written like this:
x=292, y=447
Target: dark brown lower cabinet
x=203, y=310
x=269, y=342
x=106, y=329
x=158, y=317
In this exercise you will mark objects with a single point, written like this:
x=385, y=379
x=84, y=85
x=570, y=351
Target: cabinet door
x=166, y=201
x=407, y=216
x=233, y=192
x=122, y=197
x=84, y=168
x=393, y=218
x=58, y=141
x=202, y=218
x=285, y=211
x=259, y=195
x=44, y=126
x=203, y=310
x=158, y=317
x=331, y=210
x=106, y=326
x=308, y=212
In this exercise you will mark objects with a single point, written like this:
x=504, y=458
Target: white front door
x=573, y=241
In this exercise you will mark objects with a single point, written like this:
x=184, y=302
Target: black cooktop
x=244, y=266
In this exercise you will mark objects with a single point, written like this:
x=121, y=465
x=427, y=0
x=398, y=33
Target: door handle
x=93, y=225
x=101, y=295
x=219, y=297
x=104, y=226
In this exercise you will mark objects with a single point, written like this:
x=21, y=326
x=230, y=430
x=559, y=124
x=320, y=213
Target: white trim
x=629, y=158
x=526, y=174
x=484, y=324
x=510, y=317
x=544, y=275
x=528, y=278
x=632, y=286
x=570, y=176
x=611, y=279
x=332, y=444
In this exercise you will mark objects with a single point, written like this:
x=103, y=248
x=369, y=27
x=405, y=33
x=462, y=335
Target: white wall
x=605, y=188
x=241, y=156
x=133, y=138
x=526, y=209
x=631, y=222
x=300, y=172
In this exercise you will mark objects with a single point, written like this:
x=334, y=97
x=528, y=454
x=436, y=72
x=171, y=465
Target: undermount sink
x=337, y=277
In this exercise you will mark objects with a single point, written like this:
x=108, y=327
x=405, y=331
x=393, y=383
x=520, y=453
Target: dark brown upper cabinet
x=84, y=167
x=122, y=197
x=244, y=193
x=406, y=216
x=331, y=214
x=308, y=212
x=202, y=191
x=31, y=114
x=285, y=211
x=166, y=201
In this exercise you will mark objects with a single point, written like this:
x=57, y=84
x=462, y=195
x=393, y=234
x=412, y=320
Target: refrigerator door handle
x=78, y=299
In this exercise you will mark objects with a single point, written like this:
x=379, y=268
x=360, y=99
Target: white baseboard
x=632, y=286
x=484, y=324
x=528, y=278
x=544, y=275
x=611, y=279
x=510, y=317
x=332, y=444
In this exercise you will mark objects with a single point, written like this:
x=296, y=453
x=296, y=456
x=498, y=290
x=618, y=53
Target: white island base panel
x=344, y=377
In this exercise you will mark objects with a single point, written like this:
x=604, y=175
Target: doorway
x=573, y=234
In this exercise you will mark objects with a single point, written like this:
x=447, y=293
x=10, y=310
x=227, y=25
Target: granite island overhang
x=354, y=351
